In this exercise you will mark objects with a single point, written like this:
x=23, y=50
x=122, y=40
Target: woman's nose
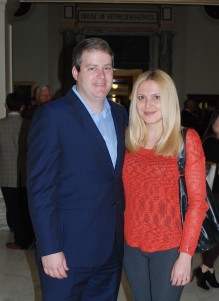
x=147, y=103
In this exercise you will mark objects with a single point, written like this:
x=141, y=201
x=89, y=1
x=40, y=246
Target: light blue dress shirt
x=105, y=124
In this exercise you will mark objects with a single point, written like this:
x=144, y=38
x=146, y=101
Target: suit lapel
x=86, y=121
x=118, y=135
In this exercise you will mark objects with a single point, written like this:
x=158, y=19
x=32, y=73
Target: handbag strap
x=182, y=154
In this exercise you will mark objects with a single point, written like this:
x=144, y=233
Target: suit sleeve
x=42, y=171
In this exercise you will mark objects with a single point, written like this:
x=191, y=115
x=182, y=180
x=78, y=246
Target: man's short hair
x=14, y=101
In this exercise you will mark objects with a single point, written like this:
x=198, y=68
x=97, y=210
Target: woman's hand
x=181, y=272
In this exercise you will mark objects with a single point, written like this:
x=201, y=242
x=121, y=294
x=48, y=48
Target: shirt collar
x=14, y=114
x=106, y=106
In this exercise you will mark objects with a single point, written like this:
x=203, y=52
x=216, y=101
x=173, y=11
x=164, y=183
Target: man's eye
x=91, y=68
x=108, y=68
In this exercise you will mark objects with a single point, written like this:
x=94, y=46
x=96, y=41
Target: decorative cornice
x=11, y=7
x=12, y=4
x=191, y=2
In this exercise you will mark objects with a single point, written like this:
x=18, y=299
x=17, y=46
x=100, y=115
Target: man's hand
x=55, y=265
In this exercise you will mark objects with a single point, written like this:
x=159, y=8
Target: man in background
x=11, y=181
x=43, y=95
x=189, y=118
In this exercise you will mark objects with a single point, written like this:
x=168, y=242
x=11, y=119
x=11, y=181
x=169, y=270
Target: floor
x=19, y=280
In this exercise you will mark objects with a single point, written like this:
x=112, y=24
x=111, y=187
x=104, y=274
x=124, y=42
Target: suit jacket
x=76, y=196
x=9, y=149
x=189, y=120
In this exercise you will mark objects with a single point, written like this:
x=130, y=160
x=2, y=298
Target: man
x=211, y=108
x=43, y=95
x=188, y=117
x=76, y=152
x=12, y=181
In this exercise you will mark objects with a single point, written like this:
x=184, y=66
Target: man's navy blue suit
x=76, y=196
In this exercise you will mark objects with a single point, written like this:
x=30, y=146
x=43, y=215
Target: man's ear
x=75, y=73
x=22, y=109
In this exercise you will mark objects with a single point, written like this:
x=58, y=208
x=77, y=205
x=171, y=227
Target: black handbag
x=209, y=236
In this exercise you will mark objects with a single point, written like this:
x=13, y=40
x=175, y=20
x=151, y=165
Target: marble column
x=2, y=57
x=165, y=51
x=7, y=9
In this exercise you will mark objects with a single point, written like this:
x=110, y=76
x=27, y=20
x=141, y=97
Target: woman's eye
x=156, y=97
x=140, y=97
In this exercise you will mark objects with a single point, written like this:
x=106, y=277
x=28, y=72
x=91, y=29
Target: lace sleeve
x=196, y=189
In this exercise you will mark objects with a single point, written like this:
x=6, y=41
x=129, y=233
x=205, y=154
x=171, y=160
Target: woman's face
x=216, y=127
x=148, y=103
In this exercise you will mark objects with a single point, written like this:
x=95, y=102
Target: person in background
x=43, y=95
x=158, y=250
x=74, y=178
x=211, y=108
x=188, y=116
x=11, y=170
x=205, y=273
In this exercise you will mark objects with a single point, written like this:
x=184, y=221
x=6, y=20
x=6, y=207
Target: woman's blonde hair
x=170, y=142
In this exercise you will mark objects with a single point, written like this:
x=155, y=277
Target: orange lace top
x=152, y=212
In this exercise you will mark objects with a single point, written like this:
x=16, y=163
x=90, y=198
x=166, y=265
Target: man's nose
x=101, y=72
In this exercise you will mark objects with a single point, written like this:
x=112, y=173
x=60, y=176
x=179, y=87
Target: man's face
x=94, y=80
x=44, y=96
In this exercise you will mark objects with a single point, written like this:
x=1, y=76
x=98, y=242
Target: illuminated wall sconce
x=115, y=86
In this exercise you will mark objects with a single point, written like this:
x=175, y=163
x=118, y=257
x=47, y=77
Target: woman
x=206, y=273
x=158, y=251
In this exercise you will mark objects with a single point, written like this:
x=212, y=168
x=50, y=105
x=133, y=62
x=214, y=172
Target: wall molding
x=190, y=2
